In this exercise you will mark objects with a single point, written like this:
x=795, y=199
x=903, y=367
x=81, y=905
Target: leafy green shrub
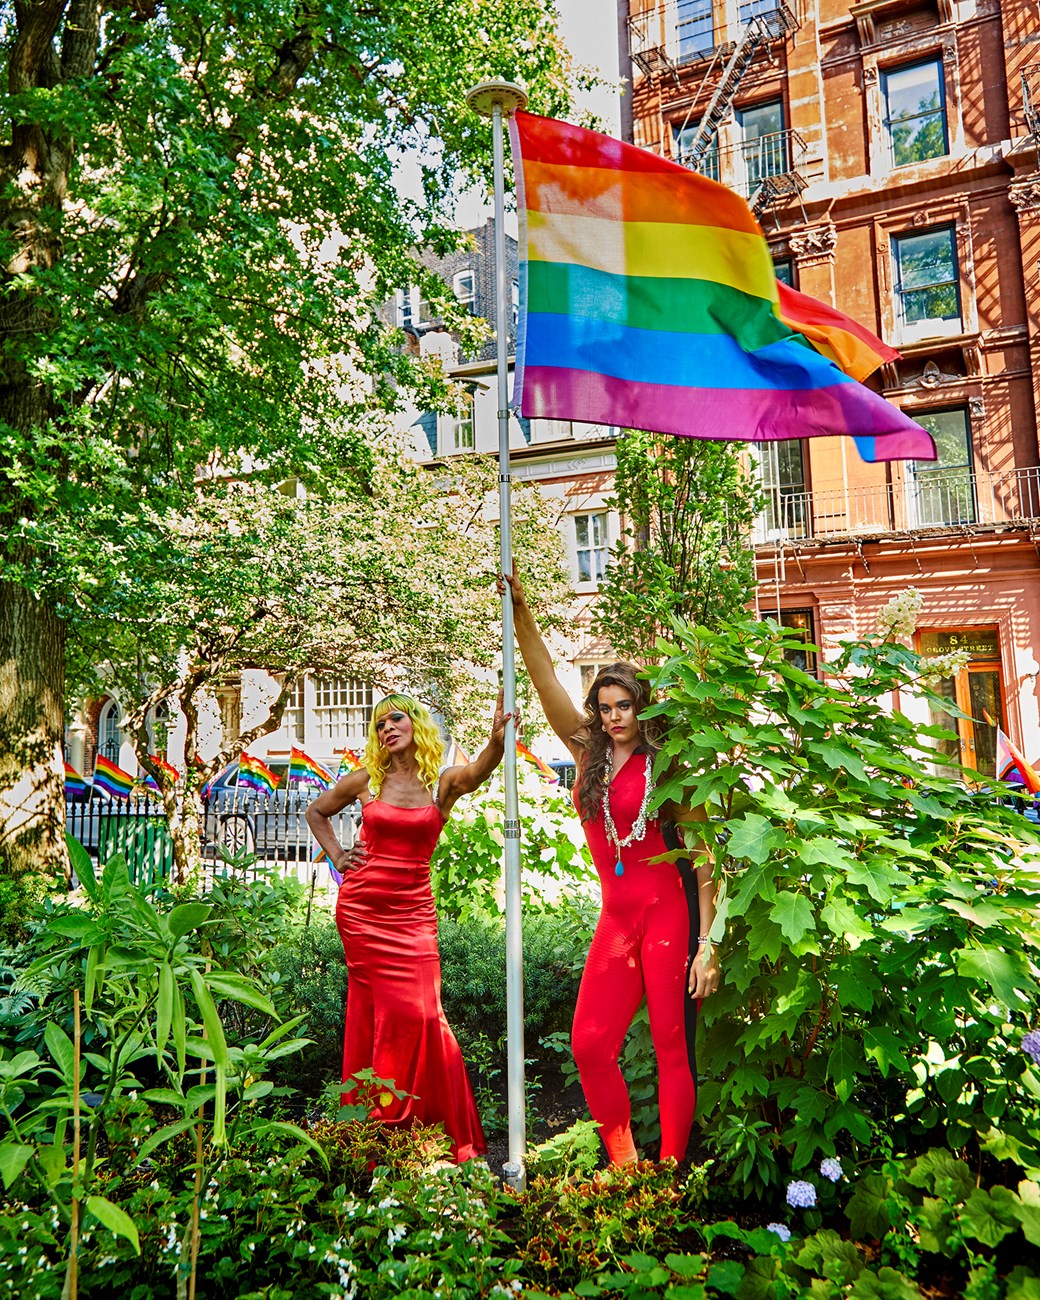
x=881, y=921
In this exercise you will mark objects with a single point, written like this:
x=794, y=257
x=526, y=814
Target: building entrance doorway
x=977, y=690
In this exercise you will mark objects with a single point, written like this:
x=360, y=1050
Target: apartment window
x=407, y=311
x=915, y=112
x=976, y=691
x=459, y=428
x=802, y=622
x=464, y=286
x=763, y=150
x=694, y=28
x=781, y=476
x=784, y=269
x=754, y=8
x=708, y=165
x=943, y=489
x=592, y=549
x=341, y=709
x=927, y=290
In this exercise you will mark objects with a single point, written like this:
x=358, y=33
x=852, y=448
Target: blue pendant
x=619, y=870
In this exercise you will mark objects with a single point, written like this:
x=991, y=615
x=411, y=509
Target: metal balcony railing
x=931, y=501
x=770, y=165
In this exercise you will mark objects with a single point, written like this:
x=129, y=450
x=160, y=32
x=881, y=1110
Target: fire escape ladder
x=753, y=35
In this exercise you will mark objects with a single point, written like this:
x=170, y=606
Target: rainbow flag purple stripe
x=75, y=785
x=649, y=300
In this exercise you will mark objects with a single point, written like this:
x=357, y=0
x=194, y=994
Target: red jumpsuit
x=642, y=946
x=395, y=1021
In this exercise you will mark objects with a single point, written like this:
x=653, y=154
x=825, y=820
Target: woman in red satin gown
x=395, y=1023
x=651, y=940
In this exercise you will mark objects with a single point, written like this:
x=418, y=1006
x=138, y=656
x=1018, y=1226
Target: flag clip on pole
x=493, y=99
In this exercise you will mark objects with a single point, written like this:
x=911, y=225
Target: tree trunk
x=32, y=692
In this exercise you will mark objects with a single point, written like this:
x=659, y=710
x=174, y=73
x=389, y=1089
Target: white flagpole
x=492, y=99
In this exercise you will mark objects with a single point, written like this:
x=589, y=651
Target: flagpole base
x=489, y=95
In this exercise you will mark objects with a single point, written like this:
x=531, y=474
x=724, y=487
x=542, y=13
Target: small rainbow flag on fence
x=150, y=781
x=255, y=775
x=111, y=779
x=75, y=785
x=649, y=300
x=348, y=763
x=523, y=752
x=304, y=769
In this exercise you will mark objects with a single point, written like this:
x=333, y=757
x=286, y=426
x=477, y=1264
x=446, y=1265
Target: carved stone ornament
x=815, y=245
x=870, y=74
x=931, y=376
x=977, y=407
x=1025, y=196
x=920, y=218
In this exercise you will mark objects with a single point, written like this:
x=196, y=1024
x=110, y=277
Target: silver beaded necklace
x=638, y=826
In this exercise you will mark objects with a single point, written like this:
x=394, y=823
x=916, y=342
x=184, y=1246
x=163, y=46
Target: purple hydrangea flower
x=1031, y=1045
x=781, y=1230
x=801, y=1195
x=831, y=1169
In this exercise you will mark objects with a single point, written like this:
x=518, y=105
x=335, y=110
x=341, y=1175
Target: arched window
x=109, y=735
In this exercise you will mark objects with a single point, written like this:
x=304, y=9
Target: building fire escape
x=663, y=39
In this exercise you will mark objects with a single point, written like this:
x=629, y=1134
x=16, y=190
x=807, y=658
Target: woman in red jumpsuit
x=395, y=1024
x=652, y=936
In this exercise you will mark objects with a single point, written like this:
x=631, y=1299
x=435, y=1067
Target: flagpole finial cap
x=484, y=99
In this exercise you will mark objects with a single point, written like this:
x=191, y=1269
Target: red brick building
x=889, y=149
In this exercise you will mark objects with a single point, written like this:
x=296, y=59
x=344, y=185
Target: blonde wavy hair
x=429, y=743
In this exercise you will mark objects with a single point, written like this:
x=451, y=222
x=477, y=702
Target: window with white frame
x=915, y=112
x=591, y=547
x=341, y=709
x=927, y=289
x=407, y=307
x=294, y=717
x=458, y=428
x=464, y=286
x=109, y=735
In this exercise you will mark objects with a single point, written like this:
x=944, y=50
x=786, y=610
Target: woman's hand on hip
x=351, y=859
x=704, y=973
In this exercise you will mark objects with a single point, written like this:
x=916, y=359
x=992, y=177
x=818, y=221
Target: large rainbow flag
x=308, y=771
x=649, y=300
x=255, y=775
x=110, y=778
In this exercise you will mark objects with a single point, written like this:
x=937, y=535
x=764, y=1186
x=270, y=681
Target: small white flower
x=781, y=1230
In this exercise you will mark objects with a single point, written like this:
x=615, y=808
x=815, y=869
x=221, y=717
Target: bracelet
x=703, y=938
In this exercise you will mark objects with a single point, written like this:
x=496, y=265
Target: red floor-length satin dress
x=395, y=1022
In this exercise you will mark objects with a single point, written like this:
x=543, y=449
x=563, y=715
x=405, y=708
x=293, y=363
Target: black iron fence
x=273, y=830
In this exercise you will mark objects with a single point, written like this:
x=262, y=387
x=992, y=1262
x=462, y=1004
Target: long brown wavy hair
x=593, y=773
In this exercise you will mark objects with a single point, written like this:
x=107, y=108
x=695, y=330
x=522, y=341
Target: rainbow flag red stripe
x=303, y=768
x=543, y=767
x=649, y=300
x=111, y=779
x=75, y=784
x=255, y=775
